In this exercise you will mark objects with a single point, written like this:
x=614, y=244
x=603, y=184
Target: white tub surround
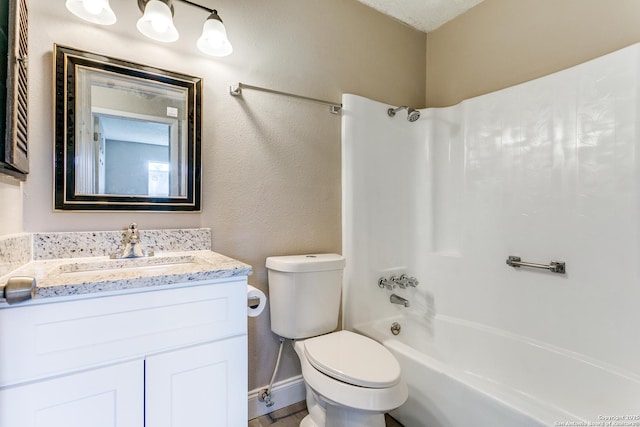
x=548, y=171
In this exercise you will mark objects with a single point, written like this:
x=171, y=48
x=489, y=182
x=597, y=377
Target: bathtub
x=463, y=374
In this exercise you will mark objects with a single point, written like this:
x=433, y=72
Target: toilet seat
x=353, y=359
x=342, y=393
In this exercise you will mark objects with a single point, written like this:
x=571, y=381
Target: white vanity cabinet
x=175, y=356
x=209, y=368
x=100, y=397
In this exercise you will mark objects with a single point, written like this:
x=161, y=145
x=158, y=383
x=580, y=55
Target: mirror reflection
x=133, y=158
x=127, y=136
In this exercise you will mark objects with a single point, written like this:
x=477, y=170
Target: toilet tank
x=304, y=294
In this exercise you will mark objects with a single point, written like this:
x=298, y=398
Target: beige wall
x=10, y=206
x=271, y=164
x=500, y=43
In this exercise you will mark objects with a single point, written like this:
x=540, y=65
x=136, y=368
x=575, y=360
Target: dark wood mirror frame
x=66, y=62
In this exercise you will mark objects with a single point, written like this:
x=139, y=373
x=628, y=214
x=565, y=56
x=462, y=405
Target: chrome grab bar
x=554, y=266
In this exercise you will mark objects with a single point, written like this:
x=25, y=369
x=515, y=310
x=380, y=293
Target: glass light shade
x=94, y=11
x=157, y=22
x=213, y=40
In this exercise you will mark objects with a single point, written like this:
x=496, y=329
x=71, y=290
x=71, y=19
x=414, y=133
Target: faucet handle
x=131, y=244
x=383, y=282
x=409, y=281
x=131, y=228
x=402, y=281
x=131, y=234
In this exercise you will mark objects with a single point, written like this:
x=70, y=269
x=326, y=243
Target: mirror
x=127, y=136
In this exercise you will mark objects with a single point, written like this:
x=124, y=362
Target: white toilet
x=351, y=380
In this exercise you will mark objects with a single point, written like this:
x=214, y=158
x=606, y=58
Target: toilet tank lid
x=306, y=263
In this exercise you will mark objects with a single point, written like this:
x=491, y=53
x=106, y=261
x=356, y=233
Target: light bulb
x=94, y=11
x=213, y=40
x=159, y=25
x=94, y=7
x=157, y=22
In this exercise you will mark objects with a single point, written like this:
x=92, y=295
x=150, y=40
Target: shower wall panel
x=386, y=181
x=546, y=170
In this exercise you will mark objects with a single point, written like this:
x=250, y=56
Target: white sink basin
x=154, y=265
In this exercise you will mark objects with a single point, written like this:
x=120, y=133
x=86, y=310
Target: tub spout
x=395, y=299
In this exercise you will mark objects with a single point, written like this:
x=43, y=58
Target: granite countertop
x=88, y=275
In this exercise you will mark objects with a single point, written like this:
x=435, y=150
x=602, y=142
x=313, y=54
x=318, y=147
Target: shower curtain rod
x=334, y=107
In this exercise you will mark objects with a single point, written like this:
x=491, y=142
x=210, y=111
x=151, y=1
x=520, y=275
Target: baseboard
x=284, y=393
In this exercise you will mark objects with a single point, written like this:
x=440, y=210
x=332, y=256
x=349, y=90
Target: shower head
x=412, y=116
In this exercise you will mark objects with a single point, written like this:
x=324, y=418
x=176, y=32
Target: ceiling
x=425, y=15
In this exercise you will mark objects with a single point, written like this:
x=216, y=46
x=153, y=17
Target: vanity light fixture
x=94, y=11
x=213, y=40
x=157, y=22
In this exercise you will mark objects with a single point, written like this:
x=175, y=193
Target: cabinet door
x=204, y=385
x=112, y=396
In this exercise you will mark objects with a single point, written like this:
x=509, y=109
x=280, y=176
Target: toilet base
x=307, y=422
x=349, y=421
x=341, y=416
x=323, y=413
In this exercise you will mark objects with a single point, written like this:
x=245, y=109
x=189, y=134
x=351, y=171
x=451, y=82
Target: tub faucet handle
x=402, y=281
x=383, y=282
x=410, y=281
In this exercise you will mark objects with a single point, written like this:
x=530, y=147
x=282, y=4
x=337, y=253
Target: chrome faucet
x=403, y=282
x=395, y=299
x=131, y=243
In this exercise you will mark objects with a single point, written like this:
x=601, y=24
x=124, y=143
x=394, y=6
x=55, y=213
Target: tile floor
x=292, y=415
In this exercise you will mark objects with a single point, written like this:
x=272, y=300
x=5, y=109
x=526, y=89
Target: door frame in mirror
x=66, y=62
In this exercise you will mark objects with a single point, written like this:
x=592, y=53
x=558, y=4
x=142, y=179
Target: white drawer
x=47, y=339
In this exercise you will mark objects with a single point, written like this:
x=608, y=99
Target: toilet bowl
x=351, y=380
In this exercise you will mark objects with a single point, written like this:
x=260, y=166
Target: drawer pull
x=18, y=289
